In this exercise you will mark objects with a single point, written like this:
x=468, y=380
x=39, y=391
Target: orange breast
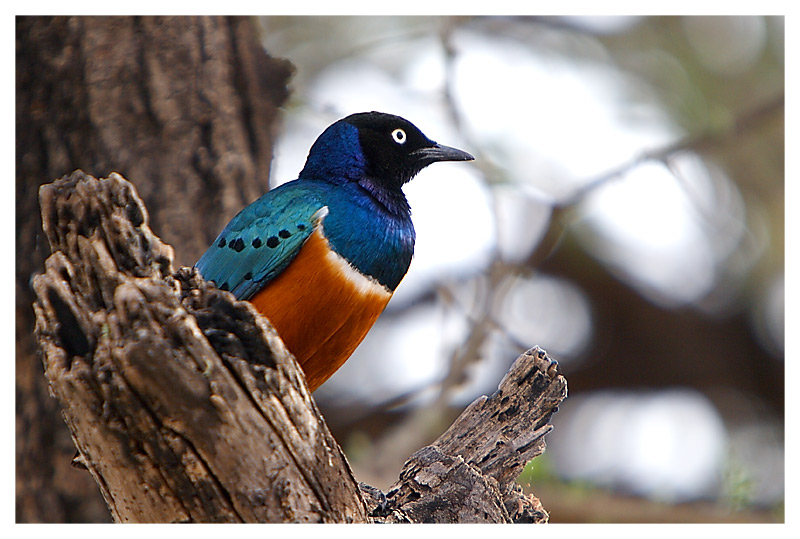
x=321, y=307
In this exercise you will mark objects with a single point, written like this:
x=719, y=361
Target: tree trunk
x=187, y=107
x=186, y=407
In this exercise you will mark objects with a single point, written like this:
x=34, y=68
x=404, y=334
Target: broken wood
x=185, y=406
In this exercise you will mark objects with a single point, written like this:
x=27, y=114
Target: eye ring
x=399, y=136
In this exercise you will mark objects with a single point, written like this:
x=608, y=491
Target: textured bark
x=185, y=105
x=185, y=405
x=468, y=474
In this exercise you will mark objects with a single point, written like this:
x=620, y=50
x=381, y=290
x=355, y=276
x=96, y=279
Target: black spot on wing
x=273, y=242
x=248, y=275
x=301, y=226
x=237, y=245
x=224, y=286
x=257, y=243
x=221, y=242
x=284, y=233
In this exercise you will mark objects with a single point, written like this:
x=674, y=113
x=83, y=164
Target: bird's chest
x=377, y=245
x=322, y=307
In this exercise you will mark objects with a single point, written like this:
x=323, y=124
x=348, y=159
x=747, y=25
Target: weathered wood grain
x=185, y=406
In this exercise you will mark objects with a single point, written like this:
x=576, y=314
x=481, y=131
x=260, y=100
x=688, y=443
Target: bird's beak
x=440, y=152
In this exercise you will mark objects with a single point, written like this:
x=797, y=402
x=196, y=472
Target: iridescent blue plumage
x=321, y=255
x=368, y=221
x=261, y=240
x=264, y=237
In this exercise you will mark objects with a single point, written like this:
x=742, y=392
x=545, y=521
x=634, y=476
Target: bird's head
x=381, y=149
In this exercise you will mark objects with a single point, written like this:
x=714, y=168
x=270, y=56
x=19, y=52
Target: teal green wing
x=261, y=241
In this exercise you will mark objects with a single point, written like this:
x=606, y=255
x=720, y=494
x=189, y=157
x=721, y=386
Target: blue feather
x=335, y=156
x=355, y=169
x=261, y=240
x=266, y=236
x=350, y=193
x=378, y=243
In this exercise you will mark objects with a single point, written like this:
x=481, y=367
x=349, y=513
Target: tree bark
x=188, y=107
x=186, y=407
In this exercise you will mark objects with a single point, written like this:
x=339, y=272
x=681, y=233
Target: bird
x=320, y=256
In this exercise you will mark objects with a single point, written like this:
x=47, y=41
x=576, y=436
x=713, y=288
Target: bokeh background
x=625, y=212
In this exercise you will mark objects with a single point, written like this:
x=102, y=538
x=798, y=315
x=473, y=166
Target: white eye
x=399, y=136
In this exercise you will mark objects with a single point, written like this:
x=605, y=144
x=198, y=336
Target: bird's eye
x=399, y=136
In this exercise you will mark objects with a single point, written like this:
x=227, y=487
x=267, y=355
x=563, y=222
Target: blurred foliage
x=720, y=83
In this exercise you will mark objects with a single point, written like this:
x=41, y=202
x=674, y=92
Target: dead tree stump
x=185, y=406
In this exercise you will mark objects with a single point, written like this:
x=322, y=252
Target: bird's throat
x=391, y=199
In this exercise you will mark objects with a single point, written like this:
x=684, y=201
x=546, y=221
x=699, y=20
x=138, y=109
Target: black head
x=394, y=150
x=379, y=153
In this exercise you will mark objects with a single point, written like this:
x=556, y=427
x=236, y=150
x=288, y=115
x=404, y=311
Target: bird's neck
x=392, y=200
x=336, y=157
x=349, y=174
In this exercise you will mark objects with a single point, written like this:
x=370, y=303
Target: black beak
x=440, y=152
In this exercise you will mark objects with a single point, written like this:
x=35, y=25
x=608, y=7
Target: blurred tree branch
x=700, y=143
x=563, y=211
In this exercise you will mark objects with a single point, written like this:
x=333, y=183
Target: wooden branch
x=468, y=474
x=185, y=406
